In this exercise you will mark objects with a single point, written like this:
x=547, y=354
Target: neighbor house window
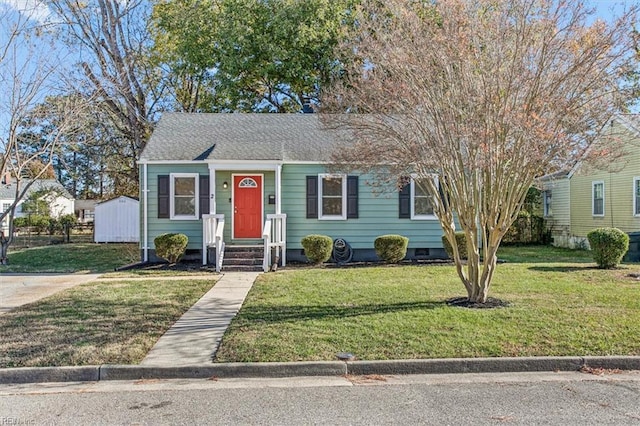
x=184, y=196
x=421, y=201
x=636, y=196
x=597, y=203
x=6, y=206
x=546, y=203
x=332, y=197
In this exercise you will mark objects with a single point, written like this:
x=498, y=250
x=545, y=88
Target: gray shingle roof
x=275, y=137
x=8, y=192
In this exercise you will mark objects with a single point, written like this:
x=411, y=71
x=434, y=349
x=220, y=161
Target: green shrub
x=391, y=248
x=38, y=222
x=608, y=246
x=68, y=220
x=317, y=248
x=461, y=242
x=21, y=222
x=171, y=247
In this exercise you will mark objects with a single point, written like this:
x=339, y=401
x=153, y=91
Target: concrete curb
x=88, y=373
x=320, y=368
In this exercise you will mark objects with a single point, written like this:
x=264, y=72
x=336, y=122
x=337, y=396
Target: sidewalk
x=195, y=337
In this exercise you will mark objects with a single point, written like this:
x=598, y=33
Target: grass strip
x=102, y=322
x=68, y=258
x=556, y=308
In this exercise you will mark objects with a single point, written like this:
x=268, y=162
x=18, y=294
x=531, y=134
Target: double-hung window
x=597, y=198
x=421, y=200
x=546, y=203
x=636, y=196
x=184, y=196
x=332, y=197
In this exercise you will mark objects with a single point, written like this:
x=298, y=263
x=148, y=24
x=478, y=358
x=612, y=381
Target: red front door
x=247, y=206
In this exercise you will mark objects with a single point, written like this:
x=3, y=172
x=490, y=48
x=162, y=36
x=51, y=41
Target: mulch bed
x=464, y=302
x=164, y=266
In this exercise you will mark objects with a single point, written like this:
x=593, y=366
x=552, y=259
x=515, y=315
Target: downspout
x=145, y=225
x=279, y=189
x=212, y=190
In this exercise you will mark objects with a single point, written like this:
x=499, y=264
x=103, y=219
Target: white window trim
x=196, y=178
x=636, y=199
x=546, y=203
x=343, y=216
x=593, y=199
x=415, y=216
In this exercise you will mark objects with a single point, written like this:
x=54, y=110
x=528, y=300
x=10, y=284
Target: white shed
x=117, y=221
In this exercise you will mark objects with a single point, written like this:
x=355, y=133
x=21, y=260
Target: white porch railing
x=274, y=235
x=213, y=236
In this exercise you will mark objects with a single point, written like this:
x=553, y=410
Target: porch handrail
x=266, y=236
x=219, y=243
x=213, y=236
x=275, y=237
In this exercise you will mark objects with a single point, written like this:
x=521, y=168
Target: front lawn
x=102, y=322
x=560, y=304
x=68, y=258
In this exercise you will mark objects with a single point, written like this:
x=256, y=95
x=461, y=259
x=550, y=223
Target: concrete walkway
x=195, y=337
x=20, y=289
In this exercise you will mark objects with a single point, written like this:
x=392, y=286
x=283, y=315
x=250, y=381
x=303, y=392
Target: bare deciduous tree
x=488, y=95
x=112, y=40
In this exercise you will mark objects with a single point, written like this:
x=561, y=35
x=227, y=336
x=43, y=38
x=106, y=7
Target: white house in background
x=117, y=221
x=59, y=199
x=85, y=210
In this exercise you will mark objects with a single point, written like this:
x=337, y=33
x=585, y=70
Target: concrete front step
x=241, y=268
x=243, y=258
x=242, y=261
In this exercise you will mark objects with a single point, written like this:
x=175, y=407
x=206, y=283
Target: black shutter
x=352, y=197
x=404, y=206
x=312, y=197
x=204, y=194
x=163, y=196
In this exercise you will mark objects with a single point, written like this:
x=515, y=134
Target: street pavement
x=480, y=399
x=20, y=289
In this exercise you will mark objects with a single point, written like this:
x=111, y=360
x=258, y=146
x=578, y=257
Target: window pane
x=331, y=206
x=418, y=191
x=332, y=186
x=185, y=186
x=597, y=206
x=422, y=206
x=597, y=191
x=185, y=206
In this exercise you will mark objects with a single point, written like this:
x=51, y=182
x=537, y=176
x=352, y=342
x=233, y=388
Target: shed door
x=247, y=206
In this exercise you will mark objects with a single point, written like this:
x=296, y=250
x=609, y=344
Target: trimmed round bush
x=608, y=246
x=171, y=247
x=317, y=248
x=391, y=248
x=461, y=242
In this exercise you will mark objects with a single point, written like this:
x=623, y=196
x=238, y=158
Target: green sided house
x=260, y=182
x=597, y=195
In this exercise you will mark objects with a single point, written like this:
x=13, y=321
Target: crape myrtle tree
x=486, y=95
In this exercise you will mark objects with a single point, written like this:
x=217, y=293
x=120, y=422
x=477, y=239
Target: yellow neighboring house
x=596, y=195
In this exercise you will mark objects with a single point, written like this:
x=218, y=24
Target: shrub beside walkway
x=195, y=337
